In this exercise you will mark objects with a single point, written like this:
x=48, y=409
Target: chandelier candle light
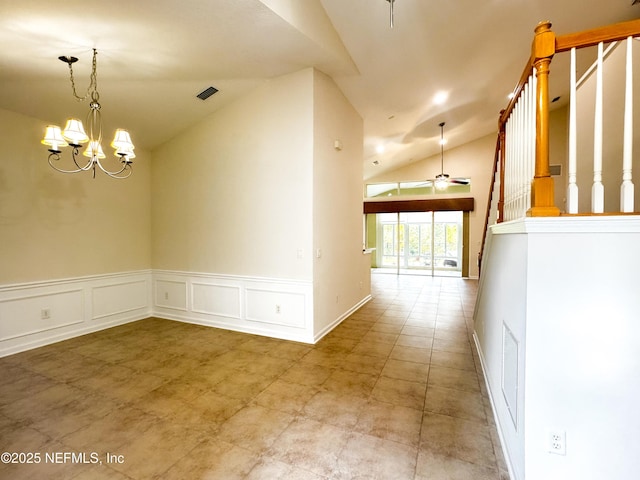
x=74, y=134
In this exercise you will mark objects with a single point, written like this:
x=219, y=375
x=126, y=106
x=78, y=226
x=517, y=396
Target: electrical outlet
x=277, y=308
x=45, y=313
x=557, y=442
x=166, y=295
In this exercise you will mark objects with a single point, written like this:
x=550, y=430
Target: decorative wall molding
x=262, y=306
x=39, y=313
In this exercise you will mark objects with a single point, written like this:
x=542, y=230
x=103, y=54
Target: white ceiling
x=155, y=56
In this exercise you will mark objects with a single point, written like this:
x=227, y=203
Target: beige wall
x=473, y=160
x=341, y=275
x=558, y=152
x=56, y=226
x=232, y=195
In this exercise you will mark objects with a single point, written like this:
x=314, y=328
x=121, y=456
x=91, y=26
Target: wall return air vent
x=206, y=93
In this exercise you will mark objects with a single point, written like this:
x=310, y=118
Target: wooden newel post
x=542, y=189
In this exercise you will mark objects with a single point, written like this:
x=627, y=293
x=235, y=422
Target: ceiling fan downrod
x=391, y=12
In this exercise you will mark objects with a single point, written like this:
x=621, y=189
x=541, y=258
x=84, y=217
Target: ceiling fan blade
x=460, y=181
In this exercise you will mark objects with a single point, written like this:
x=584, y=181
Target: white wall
x=502, y=302
x=341, y=274
x=232, y=195
x=257, y=218
x=579, y=340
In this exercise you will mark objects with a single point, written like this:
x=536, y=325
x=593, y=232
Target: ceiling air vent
x=206, y=93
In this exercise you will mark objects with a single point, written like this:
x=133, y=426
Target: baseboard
x=318, y=336
x=505, y=452
x=39, y=313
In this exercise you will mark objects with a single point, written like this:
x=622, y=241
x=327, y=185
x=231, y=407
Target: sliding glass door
x=428, y=243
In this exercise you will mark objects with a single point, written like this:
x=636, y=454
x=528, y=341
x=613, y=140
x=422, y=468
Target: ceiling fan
x=442, y=180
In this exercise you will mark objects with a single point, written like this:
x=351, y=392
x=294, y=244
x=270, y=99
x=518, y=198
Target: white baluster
x=626, y=189
x=597, y=190
x=531, y=135
x=516, y=163
x=512, y=164
x=507, y=169
x=524, y=150
x=518, y=157
x=572, y=188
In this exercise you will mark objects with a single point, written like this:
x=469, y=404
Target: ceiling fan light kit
x=74, y=134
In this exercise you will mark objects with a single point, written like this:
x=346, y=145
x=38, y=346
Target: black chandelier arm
x=124, y=172
x=74, y=155
x=55, y=156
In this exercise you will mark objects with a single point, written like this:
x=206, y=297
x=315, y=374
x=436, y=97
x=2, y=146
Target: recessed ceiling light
x=440, y=97
x=380, y=149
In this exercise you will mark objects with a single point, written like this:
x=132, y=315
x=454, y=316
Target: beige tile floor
x=394, y=392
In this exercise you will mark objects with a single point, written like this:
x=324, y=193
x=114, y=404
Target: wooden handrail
x=496, y=159
x=589, y=38
x=524, y=78
x=563, y=43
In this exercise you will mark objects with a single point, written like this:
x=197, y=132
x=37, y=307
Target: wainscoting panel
x=109, y=300
x=31, y=314
x=40, y=313
x=262, y=306
x=275, y=307
x=217, y=299
x=170, y=294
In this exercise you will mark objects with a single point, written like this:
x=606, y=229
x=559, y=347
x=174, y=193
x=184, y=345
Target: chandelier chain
x=92, y=89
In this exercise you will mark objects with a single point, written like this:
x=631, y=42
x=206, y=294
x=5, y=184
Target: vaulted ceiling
x=155, y=56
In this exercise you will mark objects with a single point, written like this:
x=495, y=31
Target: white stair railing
x=520, y=153
x=601, y=161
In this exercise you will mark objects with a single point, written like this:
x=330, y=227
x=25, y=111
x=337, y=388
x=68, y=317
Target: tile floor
x=394, y=392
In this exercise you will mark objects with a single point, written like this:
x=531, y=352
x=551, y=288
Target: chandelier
x=74, y=134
